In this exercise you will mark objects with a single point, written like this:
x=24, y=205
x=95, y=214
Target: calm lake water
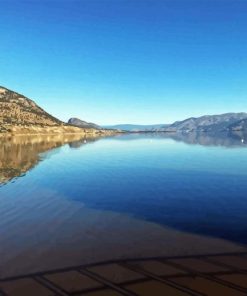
x=194, y=183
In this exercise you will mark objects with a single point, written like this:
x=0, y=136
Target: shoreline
x=58, y=130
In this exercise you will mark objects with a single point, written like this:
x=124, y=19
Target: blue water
x=188, y=186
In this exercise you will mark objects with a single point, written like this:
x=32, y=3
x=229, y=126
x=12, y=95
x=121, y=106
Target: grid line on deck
x=98, y=281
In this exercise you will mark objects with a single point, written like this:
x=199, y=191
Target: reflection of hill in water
x=230, y=140
x=20, y=154
x=81, y=142
x=233, y=139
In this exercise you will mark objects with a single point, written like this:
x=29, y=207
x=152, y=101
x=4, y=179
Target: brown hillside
x=17, y=110
x=20, y=115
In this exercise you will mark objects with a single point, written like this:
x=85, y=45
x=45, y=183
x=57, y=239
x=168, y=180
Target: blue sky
x=126, y=61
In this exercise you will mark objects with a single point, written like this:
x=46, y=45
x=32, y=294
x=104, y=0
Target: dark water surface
x=190, y=182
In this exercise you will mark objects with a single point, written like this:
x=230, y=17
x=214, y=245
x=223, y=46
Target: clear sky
x=126, y=61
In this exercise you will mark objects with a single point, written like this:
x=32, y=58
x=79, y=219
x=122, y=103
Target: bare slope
x=17, y=110
x=20, y=115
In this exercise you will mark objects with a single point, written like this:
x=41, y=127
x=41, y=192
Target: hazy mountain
x=239, y=125
x=83, y=124
x=208, y=123
x=138, y=128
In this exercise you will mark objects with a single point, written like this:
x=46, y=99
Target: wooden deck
x=218, y=274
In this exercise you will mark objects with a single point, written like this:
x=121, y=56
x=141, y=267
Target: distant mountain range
x=138, y=127
x=20, y=115
x=211, y=123
x=207, y=123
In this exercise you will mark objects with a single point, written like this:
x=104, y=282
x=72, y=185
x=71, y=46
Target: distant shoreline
x=55, y=130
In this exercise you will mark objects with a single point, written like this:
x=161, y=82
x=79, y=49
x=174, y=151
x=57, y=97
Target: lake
x=70, y=198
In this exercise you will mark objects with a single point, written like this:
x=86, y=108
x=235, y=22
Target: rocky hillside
x=20, y=115
x=17, y=110
x=83, y=124
x=208, y=123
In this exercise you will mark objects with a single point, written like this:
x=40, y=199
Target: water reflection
x=231, y=139
x=20, y=154
x=223, y=139
x=83, y=141
x=63, y=211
